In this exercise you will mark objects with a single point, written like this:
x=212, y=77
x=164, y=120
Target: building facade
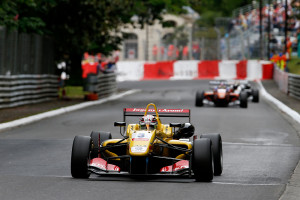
x=158, y=41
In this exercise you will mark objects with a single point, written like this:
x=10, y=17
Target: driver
x=148, y=122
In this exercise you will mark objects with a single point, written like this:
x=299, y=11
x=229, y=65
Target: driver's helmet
x=236, y=84
x=148, y=122
x=222, y=85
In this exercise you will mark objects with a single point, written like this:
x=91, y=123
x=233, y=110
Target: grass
x=294, y=65
x=73, y=92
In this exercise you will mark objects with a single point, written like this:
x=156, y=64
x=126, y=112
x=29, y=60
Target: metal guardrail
x=287, y=82
x=103, y=84
x=294, y=85
x=19, y=90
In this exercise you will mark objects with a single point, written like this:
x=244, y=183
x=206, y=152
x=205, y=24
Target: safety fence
x=102, y=84
x=19, y=90
x=195, y=69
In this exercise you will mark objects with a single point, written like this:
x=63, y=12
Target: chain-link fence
x=22, y=53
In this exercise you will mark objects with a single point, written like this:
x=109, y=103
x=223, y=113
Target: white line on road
x=257, y=144
x=249, y=184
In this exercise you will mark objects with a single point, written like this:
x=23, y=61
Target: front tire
x=216, y=140
x=202, y=160
x=243, y=100
x=80, y=157
x=95, y=135
x=199, y=99
x=255, y=96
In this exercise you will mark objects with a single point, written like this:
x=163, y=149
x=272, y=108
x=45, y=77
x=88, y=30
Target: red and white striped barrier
x=176, y=70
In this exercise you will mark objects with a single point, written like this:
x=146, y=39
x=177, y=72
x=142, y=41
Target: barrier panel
x=185, y=69
x=281, y=78
x=158, y=70
x=130, y=70
x=241, y=69
x=150, y=71
x=19, y=90
x=254, y=70
x=208, y=69
x=195, y=69
x=227, y=69
x=267, y=69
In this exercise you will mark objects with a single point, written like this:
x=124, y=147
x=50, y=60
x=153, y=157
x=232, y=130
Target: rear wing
x=219, y=82
x=139, y=112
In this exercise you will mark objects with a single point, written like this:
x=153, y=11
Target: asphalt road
x=261, y=149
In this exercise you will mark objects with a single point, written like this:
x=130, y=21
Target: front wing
x=100, y=166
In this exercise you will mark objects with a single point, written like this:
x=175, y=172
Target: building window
x=130, y=46
x=169, y=24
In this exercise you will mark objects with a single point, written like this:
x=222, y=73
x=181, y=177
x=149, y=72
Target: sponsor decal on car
x=140, y=139
x=138, y=149
x=159, y=110
x=141, y=136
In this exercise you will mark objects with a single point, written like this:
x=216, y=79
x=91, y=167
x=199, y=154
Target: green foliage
x=82, y=25
x=210, y=9
x=294, y=65
x=7, y=14
x=208, y=32
x=223, y=6
x=179, y=36
x=208, y=18
x=22, y=15
x=77, y=26
x=148, y=11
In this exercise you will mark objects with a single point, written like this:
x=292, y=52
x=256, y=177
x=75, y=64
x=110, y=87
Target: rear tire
x=202, y=160
x=255, y=95
x=96, y=143
x=80, y=157
x=243, y=100
x=216, y=140
x=199, y=98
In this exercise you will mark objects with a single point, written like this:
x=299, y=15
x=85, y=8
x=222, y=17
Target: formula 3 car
x=149, y=148
x=245, y=86
x=222, y=94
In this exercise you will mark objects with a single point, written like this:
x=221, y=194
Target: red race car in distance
x=221, y=94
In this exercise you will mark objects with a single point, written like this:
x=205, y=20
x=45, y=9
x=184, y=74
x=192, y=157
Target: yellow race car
x=149, y=148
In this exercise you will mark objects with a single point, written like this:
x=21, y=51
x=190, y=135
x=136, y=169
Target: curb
x=282, y=107
x=292, y=190
x=34, y=118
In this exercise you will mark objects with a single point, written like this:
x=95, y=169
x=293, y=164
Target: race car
x=245, y=86
x=149, y=148
x=222, y=94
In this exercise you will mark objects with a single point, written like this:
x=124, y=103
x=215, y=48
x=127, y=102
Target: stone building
x=156, y=42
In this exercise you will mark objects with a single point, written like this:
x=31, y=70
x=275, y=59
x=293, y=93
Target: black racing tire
x=96, y=142
x=199, y=99
x=255, y=96
x=80, y=157
x=216, y=140
x=202, y=160
x=243, y=100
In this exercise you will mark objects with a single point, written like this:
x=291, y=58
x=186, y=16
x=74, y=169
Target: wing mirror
x=178, y=125
x=121, y=124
